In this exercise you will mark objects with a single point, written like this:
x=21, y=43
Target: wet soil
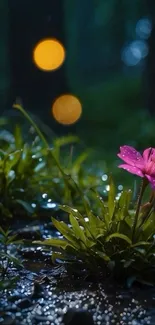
x=44, y=294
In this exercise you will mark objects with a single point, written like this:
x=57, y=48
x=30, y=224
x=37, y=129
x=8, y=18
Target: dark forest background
x=110, y=66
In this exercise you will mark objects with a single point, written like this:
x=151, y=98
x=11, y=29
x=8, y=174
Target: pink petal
x=147, y=153
x=132, y=169
x=151, y=180
x=131, y=156
x=150, y=168
x=153, y=155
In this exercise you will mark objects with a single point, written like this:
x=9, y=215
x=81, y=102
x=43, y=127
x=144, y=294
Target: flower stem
x=142, y=189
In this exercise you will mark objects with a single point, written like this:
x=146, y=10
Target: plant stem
x=66, y=177
x=142, y=189
x=26, y=115
x=22, y=110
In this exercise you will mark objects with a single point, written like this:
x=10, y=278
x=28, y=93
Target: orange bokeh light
x=67, y=109
x=49, y=54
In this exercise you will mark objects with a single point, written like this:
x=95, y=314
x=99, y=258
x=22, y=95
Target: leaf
x=5, y=211
x=55, y=242
x=141, y=251
x=90, y=227
x=2, y=154
x=124, y=203
x=93, y=227
x=79, y=233
x=24, y=162
x=8, y=284
x=39, y=167
x=145, y=282
x=18, y=137
x=111, y=265
x=128, y=263
x=25, y=205
x=71, y=210
x=10, y=177
x=86, y=203
x=3, y=121
x=78, y=162
x=2, y=231
x=147, y=229
x=124, y=228
x=97, y=226
x=104, y=213
x=11, y=160
x=66, y=232
x=120, y=236
x=7, y=137
x=141, y=243
x=13, y=259
x=102, y=255
x=63, y=141
x=10, y=238
x=111, y=198
x=74, y=212
x=57, y=256
x=13, y=240
x=130, y=281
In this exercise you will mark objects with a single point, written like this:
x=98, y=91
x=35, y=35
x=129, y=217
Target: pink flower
x=141, y=165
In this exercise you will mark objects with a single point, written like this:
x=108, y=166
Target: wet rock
x=35, y=266
x=31, y=253
x=11, y=308
x=15, y=298
x=40, y=318
x=7, y=320
x=24, y=303
x=45, y=279
x=77, y=316
x=29, y=233
x=35, y=254
x=38, y=290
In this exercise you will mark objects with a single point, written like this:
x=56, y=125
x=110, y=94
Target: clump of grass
x=109, y=242
x=8, y=259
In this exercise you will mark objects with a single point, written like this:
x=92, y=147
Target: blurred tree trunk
x=31, y=21
x=150, y=62
x=4, y=57
x=118, y=31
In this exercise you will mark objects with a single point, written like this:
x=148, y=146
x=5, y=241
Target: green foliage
x=108, y=234
x=7, y=284
x=6, y=258
x=104, y=242
x=17, y=166
x=30, y=167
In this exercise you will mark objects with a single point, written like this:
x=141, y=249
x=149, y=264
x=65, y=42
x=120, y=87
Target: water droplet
x=33, y=205
x=44, y=195
x=107, y=188
x=104, y=177
x=51, y=205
